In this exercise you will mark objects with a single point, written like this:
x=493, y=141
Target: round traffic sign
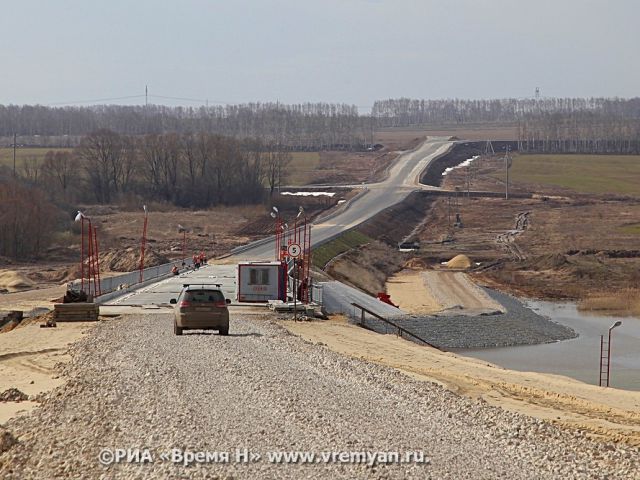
x=294, y=250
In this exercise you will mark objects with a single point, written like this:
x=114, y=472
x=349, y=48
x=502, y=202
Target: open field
x=581, y=237
x=411, y=136
x=302, y=167
x=339, y=168
x=600, y=174
x=22, y=154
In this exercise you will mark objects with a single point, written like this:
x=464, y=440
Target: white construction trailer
x=261, y=281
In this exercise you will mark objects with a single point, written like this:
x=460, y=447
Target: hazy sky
x=352, y=51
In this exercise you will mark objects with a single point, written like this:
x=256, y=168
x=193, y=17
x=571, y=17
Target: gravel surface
x=133, y=384
x=518, y=326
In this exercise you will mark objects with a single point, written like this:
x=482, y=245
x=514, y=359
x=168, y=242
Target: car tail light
x=184, y=303
x=221, y=304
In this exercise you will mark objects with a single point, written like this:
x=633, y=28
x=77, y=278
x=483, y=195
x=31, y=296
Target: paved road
x=163, y=291
x=402, y=180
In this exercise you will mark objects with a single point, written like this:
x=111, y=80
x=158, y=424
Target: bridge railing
x=400, y=331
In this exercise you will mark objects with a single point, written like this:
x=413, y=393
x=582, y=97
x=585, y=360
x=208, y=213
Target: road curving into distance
x=403, y=178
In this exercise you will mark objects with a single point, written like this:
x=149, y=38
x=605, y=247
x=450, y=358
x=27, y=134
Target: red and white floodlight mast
x=143, y=242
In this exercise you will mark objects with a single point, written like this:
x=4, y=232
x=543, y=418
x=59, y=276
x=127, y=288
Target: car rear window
x=204, y=296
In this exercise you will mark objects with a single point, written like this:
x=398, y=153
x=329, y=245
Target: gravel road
x=133, y=384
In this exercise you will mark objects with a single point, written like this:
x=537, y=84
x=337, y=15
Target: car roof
x=189, y=287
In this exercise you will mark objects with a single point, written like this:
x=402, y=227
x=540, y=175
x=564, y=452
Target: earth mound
x=459, y=262
x=13, y=281
x=129, y=260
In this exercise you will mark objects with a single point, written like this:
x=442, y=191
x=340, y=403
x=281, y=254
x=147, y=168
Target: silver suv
x=201, y=307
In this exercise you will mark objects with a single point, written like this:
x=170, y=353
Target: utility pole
x=143, y=243
x=507, y=165
x=146, y=96
x=14, y=154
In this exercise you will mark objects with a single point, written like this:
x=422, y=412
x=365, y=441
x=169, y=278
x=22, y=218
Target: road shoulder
x=608, y=414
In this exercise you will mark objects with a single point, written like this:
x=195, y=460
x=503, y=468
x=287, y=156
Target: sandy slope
x=431, y=291
x=407, y=290
x=28, y=356
x=30, y=299
x=609, y=413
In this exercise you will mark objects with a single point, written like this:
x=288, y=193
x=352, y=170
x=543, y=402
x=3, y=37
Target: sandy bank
x=28, y=356
x=432, y=291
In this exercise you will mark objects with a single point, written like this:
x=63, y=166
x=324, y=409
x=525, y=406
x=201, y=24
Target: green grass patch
x=633, y=229
x=324, y=253
x=26, y=153
x=618, y=174
x=300, y=170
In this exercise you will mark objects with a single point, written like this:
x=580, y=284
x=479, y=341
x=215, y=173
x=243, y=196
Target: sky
x=351, y=51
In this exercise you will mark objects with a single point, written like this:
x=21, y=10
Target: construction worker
x=175, y=270
x=196, y=263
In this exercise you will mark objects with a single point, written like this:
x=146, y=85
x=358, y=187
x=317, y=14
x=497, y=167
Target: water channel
x=578, y=358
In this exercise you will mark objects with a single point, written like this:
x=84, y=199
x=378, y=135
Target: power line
x=95, y=100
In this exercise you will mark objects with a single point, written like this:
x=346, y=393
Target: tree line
x=189, y=170
x=403, y=112
x=308, y=126
x=579, y=132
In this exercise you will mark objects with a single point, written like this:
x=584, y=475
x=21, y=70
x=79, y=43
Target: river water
x=578, y=358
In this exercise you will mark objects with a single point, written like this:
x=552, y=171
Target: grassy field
x=633, y=229
x=301, y=167
x=324, y=253
x=22, y=154
x=619, y=174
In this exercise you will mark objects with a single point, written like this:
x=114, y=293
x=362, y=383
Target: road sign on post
x=294, y=250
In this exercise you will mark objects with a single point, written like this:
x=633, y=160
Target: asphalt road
x=402, y=180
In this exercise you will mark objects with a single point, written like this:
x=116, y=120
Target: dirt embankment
x=369, y=266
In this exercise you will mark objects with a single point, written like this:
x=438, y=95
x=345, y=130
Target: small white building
x=261, y=281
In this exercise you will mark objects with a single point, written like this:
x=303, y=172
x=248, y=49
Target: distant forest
x=597, y=125
x=551, y=125
x=309, y=126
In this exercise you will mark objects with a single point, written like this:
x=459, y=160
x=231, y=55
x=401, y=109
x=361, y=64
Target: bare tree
x=60, y=169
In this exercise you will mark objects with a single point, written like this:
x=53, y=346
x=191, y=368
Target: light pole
x=80, y=218
x=183, y=231
x=608, y=354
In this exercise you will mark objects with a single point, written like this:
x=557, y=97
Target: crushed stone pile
x=7, y=440
x=13, y=395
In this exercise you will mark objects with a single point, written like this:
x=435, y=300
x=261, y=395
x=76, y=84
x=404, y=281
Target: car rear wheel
x=176, y=329
x=224, y=331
